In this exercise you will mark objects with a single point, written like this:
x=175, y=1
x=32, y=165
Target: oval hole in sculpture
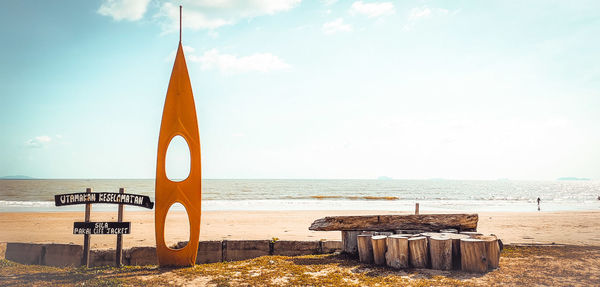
x=177, y=161
x=177, y=227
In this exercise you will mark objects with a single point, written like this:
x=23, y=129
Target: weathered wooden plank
x=88, y=228
x=425, y=222
x=103, y=197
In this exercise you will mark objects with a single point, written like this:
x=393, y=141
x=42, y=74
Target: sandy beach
x=569, y=227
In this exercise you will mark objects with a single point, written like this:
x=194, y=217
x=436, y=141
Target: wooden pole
x=349, y=241
x=397, y=251
x=180, y=16
x=473, y=255
x=86, y=237
x=379, y=249
x=417, y=208
x=119, y=260
x=492, y=251
x=417, y=250
x=365, y=248
x=440, y=252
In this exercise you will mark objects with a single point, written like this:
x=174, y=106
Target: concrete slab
x=140, y=256
x=102, y=257
x=209, y=252
x=331, y=246
x=295, y=248
x=63, y=255
x=234, y=250
x=25, y=253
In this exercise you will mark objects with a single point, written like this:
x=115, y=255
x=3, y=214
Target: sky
x=304, y=89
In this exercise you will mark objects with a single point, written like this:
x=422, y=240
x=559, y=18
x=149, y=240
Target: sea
x=37, y=195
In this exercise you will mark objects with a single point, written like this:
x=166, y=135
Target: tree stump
x=440, y=252
x=379, y=249
x=418, y=251
x=492, y=251
x=349, y=242
x=397, y=251
x=365, y=248
x=472, y=234
x=456, y=249
x=473, y=255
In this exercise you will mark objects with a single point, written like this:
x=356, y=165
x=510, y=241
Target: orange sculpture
x=179, y=118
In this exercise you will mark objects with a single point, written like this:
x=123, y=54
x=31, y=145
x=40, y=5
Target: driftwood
x=397, y=251
x=379, y=249
x=425, y=222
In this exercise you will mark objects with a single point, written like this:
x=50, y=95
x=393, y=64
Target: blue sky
x=305, y=89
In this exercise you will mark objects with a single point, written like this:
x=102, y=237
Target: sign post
x=120, y=236
x=88, y=228
x=86, y=237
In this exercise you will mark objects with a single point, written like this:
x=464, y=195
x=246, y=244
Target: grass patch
x=563, y=265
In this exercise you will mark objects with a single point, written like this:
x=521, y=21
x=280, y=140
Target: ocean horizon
x=37, y=195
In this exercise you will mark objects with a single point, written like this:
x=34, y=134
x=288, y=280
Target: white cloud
x=421, y=13
x=130, y=10
x=212, y=14
x=372, y=10
x=230, y=64
x=335, y=26
x=328, y=2
x=417, y=13
x=38, y=142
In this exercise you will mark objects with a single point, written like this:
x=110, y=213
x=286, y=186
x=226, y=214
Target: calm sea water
x=242, y=194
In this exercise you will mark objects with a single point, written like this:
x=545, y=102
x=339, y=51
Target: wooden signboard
x=101, y=227
x=88, y=228
x=103, y=197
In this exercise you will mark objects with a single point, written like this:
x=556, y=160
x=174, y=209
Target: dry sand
x=571, y=227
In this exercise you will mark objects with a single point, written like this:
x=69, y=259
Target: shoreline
x=433, y=205
x=562, y=227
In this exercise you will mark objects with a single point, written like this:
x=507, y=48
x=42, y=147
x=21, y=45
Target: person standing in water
x=538, y=201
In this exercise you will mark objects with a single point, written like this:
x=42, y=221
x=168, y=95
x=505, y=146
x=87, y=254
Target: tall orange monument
x=179, y=118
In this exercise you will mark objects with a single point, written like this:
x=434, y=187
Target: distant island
x=573, y=178
x=16, y=177
x=384, y=178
